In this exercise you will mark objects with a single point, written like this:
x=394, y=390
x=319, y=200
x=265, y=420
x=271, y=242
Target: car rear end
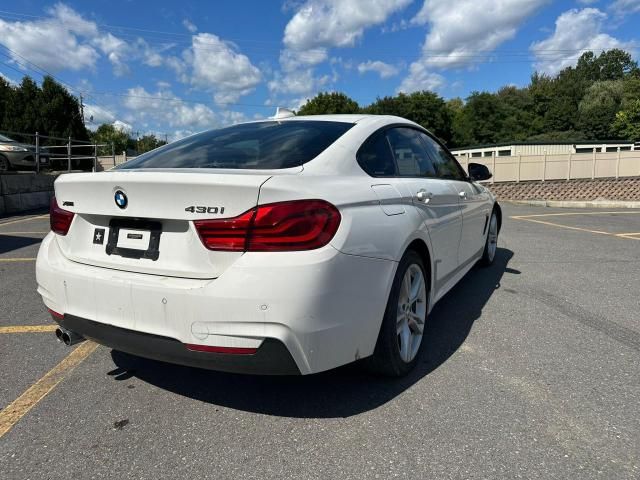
x=225, y=268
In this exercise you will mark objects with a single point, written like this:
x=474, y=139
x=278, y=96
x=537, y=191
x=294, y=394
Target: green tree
x=425, y=108
x=627, y=122
x=60, y=112
x=148, y=142
x=597, y=109
x=461, y=134
x=107, y=134
x=328, y=103
x=23, y=112
x=486, y=115
x=519, y=118
x=614, y=64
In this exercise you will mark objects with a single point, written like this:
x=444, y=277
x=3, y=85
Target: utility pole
x=82, y=110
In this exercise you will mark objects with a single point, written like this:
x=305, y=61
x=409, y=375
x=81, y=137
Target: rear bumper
x=271, y=358
x=324, y=307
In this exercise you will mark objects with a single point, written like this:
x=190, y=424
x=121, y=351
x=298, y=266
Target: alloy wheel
x=411, y=313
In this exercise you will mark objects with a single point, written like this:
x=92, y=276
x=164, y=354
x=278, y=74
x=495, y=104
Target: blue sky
x=178, y=67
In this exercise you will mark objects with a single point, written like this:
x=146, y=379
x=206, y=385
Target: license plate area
x=134, y=238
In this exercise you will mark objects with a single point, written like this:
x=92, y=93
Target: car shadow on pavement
x=8, y=243
x=342, y=392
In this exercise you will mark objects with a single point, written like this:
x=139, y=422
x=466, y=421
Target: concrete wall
x=23, y=192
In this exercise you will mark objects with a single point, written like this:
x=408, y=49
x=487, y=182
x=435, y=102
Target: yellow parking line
x=28, y=328
x=23, y=220
x=30, y=398
x=563, y=214
x=26, y=259
x=630, y=236
x=563, y=226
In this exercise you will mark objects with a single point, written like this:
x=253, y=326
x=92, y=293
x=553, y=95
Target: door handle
x=463, y=195
x=424, y=196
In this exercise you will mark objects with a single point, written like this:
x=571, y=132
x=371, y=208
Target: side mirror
x=479, y=172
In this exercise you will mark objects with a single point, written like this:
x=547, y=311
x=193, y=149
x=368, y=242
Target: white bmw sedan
x=286, y=246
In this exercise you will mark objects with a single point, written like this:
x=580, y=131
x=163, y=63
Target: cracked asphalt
x=532, y=370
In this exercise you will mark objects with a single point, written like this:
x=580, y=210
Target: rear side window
x=376, y=159
x=410, y=154
x=446, y=166
x=252, y=146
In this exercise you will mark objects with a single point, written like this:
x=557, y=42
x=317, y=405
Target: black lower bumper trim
x=271, y=358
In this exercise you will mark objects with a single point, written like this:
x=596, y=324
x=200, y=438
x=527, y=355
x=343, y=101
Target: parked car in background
x=287, y=246
x=20, y=156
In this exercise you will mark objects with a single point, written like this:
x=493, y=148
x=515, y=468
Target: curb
x=577, y=203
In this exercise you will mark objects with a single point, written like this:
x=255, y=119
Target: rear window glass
x=254, y=146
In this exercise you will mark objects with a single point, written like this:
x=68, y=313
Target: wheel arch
x=498, y=209
x=420, y=247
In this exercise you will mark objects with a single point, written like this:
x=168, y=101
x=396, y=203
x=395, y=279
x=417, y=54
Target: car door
x=474, y=201
x=436, y=201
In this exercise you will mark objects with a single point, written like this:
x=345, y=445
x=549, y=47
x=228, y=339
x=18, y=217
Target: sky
x=174, y=68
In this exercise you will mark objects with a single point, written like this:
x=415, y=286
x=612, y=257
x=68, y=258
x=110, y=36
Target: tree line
x=51, y=110
x=598, y=99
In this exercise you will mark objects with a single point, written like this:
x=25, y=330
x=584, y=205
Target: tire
x=5, y=166
x=400, y=341
x=491, y=244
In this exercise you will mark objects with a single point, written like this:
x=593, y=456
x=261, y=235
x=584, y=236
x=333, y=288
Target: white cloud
x=66, y=41
x=576, y=31
x=218, y=66
x=420, y=78
x=465, y=31
x=299, y=82
x=95, y=115
x=189, y=25
x=123, y=127
x=116, y=51
x=383, y=69
x=163, y=107
x=626, y=7
x=336, y=23
x=317, y=26
x=54, y=43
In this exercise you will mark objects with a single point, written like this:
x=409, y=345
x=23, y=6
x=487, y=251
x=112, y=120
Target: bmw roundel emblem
x=121, y=199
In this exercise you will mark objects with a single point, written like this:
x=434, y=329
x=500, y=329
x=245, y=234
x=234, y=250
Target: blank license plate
x=136, y=239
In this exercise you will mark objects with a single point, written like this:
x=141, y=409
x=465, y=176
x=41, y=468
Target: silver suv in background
x=20, y=156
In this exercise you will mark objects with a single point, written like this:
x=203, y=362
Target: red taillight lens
x=275, y=227
x=59, y=218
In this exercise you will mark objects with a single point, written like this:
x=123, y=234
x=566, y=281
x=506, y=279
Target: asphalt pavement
x=532, y=370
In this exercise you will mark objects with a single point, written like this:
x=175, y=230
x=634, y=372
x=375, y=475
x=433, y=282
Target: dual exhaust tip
x=68, y=337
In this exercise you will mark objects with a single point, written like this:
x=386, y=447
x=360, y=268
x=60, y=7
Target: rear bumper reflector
x=56, y=315
x=226, y=350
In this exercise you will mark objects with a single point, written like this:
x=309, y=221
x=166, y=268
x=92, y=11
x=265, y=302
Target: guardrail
x=66, y=150
x=567, y=166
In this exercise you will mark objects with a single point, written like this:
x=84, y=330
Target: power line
x=479, y=54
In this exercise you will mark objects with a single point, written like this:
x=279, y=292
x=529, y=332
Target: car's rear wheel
x=491, y=245
x=401, y=335
x=5, y=166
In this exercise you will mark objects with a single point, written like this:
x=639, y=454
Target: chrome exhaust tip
x=68, y=337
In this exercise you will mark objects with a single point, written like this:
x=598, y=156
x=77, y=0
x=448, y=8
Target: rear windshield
x=255, y=146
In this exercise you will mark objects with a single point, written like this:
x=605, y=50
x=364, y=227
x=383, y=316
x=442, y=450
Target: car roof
x=347, y=118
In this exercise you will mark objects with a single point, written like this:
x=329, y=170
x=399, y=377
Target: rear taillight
x=59, y=218
x=275, y=227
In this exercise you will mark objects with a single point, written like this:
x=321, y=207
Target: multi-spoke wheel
x=491, y=245
x=412, y=312
x=400, y=338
